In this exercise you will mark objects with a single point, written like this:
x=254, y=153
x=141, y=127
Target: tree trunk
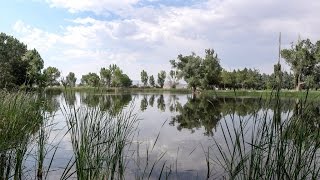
x=298, y=83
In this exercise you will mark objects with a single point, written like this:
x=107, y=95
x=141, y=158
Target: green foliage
x=125, y=80
x=152, y=81
x=71, y=79
x=303, y=58
x=105, y=76
x=13, y=70
x=211, y=70
x=161, y=78
x=173, y=78
x=51, y=74
x=34, y=68
x=114, y=77
x=144, y=77
x=91, y=79
x=197, y=71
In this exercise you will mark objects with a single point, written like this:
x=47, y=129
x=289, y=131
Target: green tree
x=152, y=81
x=116, y=77
x=125, y=80
x=197, y=71
x=144, y=77
x=189, y=68
x=302, y=58
x=106, y=76
x=71, y=79
x=173, y=78
x=13, y=70
x=52, y=74
x=161, y=78
x=35, y=65
x=90, y=79
x=211, y=70
x=226, y=79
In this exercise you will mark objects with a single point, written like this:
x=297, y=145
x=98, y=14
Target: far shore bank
x=218, y=93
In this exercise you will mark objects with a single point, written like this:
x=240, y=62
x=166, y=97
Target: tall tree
x=13, y=70
x=302, y=59
x=35, y=65
x=173, y=78
x=152, y=81
x=71, y=79
x=189, y=68
x=144, y=77
x=197, y=71
x=211, y=70
x=106, y=76
x=161, y=78
x=52, y=74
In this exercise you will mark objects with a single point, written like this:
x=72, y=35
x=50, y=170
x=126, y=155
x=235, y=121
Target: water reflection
x=190, y=120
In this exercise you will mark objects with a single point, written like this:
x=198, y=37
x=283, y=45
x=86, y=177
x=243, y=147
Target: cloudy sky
x=84, y=35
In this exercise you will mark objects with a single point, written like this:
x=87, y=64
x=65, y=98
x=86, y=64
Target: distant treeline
x=23, y=68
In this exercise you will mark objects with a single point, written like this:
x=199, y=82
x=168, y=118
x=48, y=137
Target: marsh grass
x=20, y=118
x=271, y=145
x=98, y=140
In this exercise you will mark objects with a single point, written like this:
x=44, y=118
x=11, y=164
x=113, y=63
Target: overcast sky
x=84, y=35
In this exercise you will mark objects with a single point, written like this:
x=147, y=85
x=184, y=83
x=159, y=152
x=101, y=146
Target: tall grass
x=20, y=118
x=271, y=145
x=98, y=140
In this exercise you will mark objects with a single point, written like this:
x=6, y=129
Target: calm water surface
x=184, y=126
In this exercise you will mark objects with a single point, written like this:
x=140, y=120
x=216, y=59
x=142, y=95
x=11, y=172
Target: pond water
x=174, y=130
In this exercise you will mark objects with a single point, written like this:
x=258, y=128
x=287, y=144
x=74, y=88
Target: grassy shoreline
x=218, y=93
x=263, y=93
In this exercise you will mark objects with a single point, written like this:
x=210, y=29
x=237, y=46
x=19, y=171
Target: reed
x=98, y=140
x=271, y=145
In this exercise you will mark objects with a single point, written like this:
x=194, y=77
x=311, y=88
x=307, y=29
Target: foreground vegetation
x=256, y=143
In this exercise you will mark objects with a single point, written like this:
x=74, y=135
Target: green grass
x=271, y=145
x=262, y=93
x=20, y=119
x=115, y=90
x=98, y=140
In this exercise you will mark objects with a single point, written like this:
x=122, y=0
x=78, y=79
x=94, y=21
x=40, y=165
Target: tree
x=302, y=58
x=71, y=79
x=189, y=68
x=211, y=70
x=226, y=79
x=117, y=77
x=197, y=71
x=13, y=70
x=144, y=77
x=125, y=80
x=106, y=76
x=35, y=65
x=52, y=75
x=173, y=78
x=90, y=79
x=161, y=78
x=152, y=81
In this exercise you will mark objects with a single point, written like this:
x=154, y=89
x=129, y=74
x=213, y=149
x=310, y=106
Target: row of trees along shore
x=23, y=68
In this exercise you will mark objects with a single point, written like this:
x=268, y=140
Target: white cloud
x=97, y=6
x=244, y=33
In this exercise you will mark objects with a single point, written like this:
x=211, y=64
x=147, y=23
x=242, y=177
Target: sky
x=84, y=35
